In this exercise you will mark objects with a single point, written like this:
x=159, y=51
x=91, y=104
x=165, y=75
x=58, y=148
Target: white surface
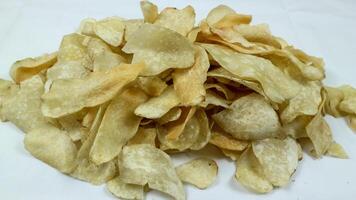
x=321, y=28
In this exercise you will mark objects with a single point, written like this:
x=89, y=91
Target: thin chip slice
x=278, y=159
x=189, y=83
x=53, y=147
x=337, y=151
x=143, y=164
x=229, y=94
x=124, y=190
x=144, y=136
x=71, y=126
x=152, y=85
x=200, y=172
x=181, y=21
x=172, y=115
x=257, y=69
x=225, y=141
x=28, y=67
x=233, y=155
x=131, y=26
x=232, y=36
x=175, y=128
x=160, y=49
x=111, y=30
x=334, y=96
x=249, y=118
x=149, y=11
x=67, y=69
x=204, y=130
x=107, y=60
x=257, y=33
x=249, y=173
x=213, y=99
x=59, y=101
x=86, y=26
x=320, y=134
x=156, y=107
x=351, y=121
x=348, y=104
x=118, y=126
x=231, y=20
x=217, y=13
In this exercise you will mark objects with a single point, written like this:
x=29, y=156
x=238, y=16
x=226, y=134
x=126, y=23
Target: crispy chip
x=181, y=21
x=7, y=89
x=296, y=128
x=193, y=34
x=152, y=85
x=144, y=136
x=156, y=107
x=224, y=141
x=172, y=115
x=143, y=164
x=28, y=67
x=320, y=134
x=204, y=130
x=200, y=172
x=278, y=159
x=86, y=26
x=218, y=13
x=111, y=30
x=149, y=11
x=213, y=99
x=59, y=101
x=249, y=118
x=336, y=150
x=232, y=36
x=71, y=126
x=176, y=128
x=124, y=190
x=131, y=26
x=118, y=126
x=229, y=95
x=257, y=69
x=351, y=121
x=348, y=104
x=231, y=20
x=189, y=83
x=257, y=33
x=107, y=60
x=334, y=96
x=249, y=173
x=160, y=49
x=52, y=146
x=233, y=155
x=67, y=69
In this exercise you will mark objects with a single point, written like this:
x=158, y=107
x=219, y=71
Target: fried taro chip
x=143, y=164
x=160, y=49
x=92, y=90
x=125, y=190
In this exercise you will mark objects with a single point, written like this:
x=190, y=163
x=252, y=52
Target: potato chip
x=232, y=36
x=67, y=69
x=118, y=126
x=278, y=159
x=305, y=103
x=204, y=130
x=320, y=134
x=28, y=67
x=172, y=115
x=149, y=11
x=334, y=96
x=131, y=26
x=175, y=128
x=249, y=118
x=86, y=26
x=296, y=128
x=189, y=83
x=351, y=121
x=193, y=34
x=307, y=59
x=200, y=172
x=111, y=30
x=7, y=88
x=144, y=136
x=59, y=100
x=143, y=164
x=71, y=126
x=213, y=99
x=160, y=49
x=259, y=33
x=348, y=104
x=52, y=146
x=231, y=20
x=233, y=155
x=336, y=150
x=107, y=60
x=249, y=173
x=124, y=190
x=257, y=69
x=156, y=107
x=229, y=95
x=152, y=85
x=23, y=106
x=181, y=21
x=224, y=141
x=218, y=13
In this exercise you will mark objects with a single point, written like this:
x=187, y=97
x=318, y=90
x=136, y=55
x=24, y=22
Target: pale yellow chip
x=348, y=104
x=233, y=155
x=131, y=26
x=28, y=67
x=336, y=150
x=144, y=136
x=72, y=126
x=200, y=172
x=172, y=115
x=67, y=69
x=225, y=141
x=107, y=60
x=59, y=101
x=214, y=99
x=156, y=107
x=143, y=164
x=351, y=121
x=111, y=30
x=52, y=146
x=257, y=69
x=149, y=11
x=175, y=128
x=249, y=118
x=249, y=173
x=7, y=88
x=232, y=36
x=118, y=126
x=229, y=94
x=152, y=85
x=218, y=13
x=193, y=34
x=86, y=26
x=204, y=130
x=160, y=49
x=320, y=134
x=278, y=159
x=334, y=96
x=231, y=20
x=189, y=83
x=181, y=21
x=259, y=33
x=296, y=128
x=124, y=190
x=23, y=106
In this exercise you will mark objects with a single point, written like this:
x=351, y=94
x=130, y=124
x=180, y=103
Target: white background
x=323, y=28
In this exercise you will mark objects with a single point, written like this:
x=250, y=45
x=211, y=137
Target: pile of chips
x=120, y=95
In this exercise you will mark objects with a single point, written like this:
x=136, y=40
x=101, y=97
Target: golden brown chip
x=189, y=83
x=144, y=136
x=160, y=49
x=143, y=164
x=92, y=90
x=181, y=21
x=28, y=67
x=118, y=126
x=249, y=118
x=125, y=190
x=200, y=172
x=52, y=146
x=149, y=11
x=152, y=85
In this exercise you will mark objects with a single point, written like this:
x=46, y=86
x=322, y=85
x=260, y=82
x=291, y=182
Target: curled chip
x=225, y=141
x=160, y=49
x=28, y=67
x=144, y=136
x=149, y=11
x=172, y=115
x=125, y=190
x=111, y=30
x=204, y=130
x=348, y=104
x=143, y=164
x=200, y=172
x=249, y=118
x=53, y=147
x=336, y=150
x=131, y=26
x=175, y=128
x=152, y=85
x=257, y=33
x=59, y=100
